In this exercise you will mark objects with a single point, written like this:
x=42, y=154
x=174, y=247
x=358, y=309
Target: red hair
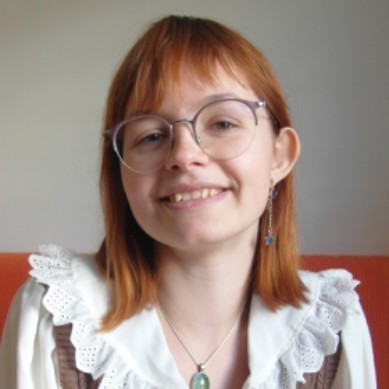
x=126, y=253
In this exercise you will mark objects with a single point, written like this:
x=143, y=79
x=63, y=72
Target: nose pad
x=189, y=125
x=185, y=150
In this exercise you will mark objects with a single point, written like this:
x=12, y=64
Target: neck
x=203, y=293
x=204, y=296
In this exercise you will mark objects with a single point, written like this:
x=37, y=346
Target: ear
x=286, y=151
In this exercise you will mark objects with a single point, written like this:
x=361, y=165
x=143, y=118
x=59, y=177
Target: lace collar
x=283, y=345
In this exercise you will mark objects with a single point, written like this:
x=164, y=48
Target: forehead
x=216, y=77
x=186, y=79
x=193, y=88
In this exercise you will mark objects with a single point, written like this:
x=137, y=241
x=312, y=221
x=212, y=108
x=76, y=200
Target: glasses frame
x=113, y=131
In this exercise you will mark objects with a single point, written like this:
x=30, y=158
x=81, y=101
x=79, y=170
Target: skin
x=205, y=246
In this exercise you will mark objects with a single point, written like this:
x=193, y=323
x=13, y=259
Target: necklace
x=200, y=380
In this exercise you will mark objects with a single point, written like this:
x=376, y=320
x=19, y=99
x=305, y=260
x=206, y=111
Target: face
x=195, y=202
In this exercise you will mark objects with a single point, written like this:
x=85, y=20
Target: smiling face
x=194, y=201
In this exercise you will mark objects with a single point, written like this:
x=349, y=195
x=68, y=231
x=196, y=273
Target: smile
x=194, y=195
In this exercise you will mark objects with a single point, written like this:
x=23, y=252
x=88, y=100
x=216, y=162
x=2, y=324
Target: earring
x=270, y=238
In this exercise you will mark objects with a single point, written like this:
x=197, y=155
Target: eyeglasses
x=223, y=129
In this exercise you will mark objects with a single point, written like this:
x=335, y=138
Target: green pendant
x=200, y=381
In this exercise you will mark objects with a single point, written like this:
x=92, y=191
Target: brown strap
x=70, y=377
x=324, y=378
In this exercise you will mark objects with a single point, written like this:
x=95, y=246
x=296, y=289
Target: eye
x=146, y=132
x=222, y=125
x=151, y=138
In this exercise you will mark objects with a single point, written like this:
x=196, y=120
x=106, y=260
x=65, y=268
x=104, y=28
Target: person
x=197, y=281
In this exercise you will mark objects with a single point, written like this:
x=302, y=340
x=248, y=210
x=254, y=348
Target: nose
x=186, y=153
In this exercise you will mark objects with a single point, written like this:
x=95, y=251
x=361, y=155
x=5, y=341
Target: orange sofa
x=373, y=272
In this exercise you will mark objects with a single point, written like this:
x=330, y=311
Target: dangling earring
x=270, y=238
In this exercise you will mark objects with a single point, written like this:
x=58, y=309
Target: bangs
x=199, y=47
x=203, y=48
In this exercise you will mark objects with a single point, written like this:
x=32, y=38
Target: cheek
x=257, y=163
x=136, y=189
x=258, y=192
x=257, y=168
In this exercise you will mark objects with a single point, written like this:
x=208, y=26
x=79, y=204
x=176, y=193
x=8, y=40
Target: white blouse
x=67, y=288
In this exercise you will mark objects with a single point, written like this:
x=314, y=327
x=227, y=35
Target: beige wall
x=56, y=61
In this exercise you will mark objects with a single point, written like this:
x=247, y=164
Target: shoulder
x=76, y=294
x=333, y=302
x=297, y=339
x=53, y=261
x=72, y=282
x=334, y=288
x=337, y=305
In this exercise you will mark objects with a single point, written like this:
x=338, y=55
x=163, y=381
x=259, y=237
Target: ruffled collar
x=283, y=345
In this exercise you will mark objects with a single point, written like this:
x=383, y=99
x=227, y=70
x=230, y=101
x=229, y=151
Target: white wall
x=56, y=62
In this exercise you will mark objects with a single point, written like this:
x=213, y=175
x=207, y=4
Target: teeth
x=204, y=193
x=213, y=192
x=195, y=195
x=177, y=197
x=186, y=197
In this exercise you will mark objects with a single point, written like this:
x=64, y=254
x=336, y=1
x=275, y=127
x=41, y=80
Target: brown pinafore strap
x=324, y=378
x=71, y=378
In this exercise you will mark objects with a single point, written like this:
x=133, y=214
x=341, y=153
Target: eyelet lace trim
x=316, y=338
x=63, y=300
x=318, y=335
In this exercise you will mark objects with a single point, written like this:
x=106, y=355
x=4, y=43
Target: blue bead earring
x=270, y=238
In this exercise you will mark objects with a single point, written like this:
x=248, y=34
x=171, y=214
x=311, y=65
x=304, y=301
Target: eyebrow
x=203, y=102
x=218, y=96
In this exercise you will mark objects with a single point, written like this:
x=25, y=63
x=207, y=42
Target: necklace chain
x=201, y=366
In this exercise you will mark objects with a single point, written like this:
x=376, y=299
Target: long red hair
x=126, y=255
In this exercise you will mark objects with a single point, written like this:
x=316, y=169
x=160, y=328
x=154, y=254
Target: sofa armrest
x=14, y=269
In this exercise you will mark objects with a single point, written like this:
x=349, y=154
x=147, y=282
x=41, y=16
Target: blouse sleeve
x=27, y=357
x=356, y=368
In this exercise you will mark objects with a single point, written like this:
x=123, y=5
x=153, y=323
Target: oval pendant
x=200, y=381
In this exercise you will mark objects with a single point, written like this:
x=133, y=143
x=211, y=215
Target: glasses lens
x=225, y=128
x=142, y=143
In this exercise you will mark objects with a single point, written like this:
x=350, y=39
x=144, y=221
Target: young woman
x=196, y=283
